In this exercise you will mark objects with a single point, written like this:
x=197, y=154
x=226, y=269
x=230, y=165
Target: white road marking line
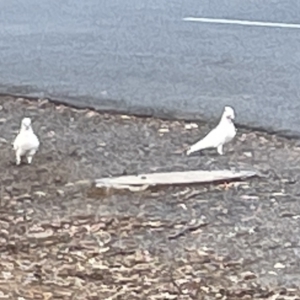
x=242, y=22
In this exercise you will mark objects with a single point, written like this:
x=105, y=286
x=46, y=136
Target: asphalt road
x=140, y=56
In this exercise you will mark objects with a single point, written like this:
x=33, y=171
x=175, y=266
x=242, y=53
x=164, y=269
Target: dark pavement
x=140, y=56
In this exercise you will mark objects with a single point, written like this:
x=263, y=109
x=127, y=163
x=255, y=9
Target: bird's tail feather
x=201, y=145
x=194, y=148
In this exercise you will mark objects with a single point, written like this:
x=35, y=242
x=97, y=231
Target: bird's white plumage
x=219, y=136
x=26, y=142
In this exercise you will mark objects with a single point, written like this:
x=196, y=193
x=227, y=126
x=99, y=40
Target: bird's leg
x=18, y=160
x=29, y=159
x=18, y=157
x=220, y=149
x=29, y=156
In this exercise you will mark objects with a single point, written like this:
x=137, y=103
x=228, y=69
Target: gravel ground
x=60, y=240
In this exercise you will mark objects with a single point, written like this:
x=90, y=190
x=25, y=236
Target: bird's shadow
x=205, y=153
x=23, y=162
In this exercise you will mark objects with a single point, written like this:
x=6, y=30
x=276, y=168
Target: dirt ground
x=60, y=240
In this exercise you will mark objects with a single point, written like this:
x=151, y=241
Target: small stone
x=7, y=197
x=282, y=193
x=8, y=189
x=60, y=193
x=163, y=130
x=57, y=179
x=272, y=273
x=60, y=107
x=3, y=140
x=247, y=297
x=47, y=296
x=234, y=278
x=3, y=296
x=32, y=107
x=183, y=206
x=84, y=182
x=243, y=137
x=43, y=102
x=248, y=154
x=125, y=117
x=51, y=134
x=279, y=266
x=263, y=140
x=36, y=228
x=91, y=114
x=190, y=126
x=248, y=275
x=40, y=193
x=3, y=120
x=7, y=275
x=249, y=197
x=41, y=235
x=205, y=289
x=225, y=211
x=101, y=144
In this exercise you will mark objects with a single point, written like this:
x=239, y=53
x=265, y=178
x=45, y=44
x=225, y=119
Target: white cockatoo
x=26, y=142
x=219, y=136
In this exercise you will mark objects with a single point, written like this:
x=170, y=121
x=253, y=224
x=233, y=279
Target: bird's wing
x=36, y=141
x=16, y=142
x=211, y=140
